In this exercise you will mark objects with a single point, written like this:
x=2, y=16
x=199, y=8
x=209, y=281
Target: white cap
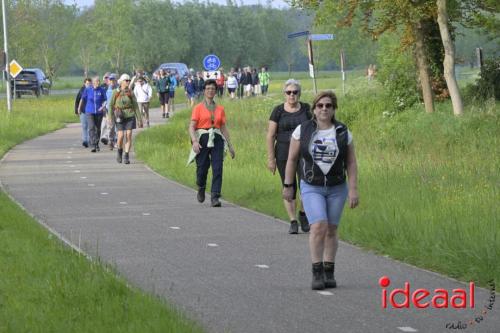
x=124, y=77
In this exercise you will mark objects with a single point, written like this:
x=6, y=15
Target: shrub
x=488, y=84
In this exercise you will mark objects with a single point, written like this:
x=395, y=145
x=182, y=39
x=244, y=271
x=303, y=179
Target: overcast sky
x=276, y=3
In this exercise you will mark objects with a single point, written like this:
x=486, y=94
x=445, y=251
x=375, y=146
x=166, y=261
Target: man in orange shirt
x=209, y=137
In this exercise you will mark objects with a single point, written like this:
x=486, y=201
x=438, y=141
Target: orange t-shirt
x=203, y=116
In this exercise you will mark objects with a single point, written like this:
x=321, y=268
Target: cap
x=124, y=77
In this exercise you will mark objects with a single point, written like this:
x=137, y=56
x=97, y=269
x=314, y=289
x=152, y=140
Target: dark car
x=31, y=81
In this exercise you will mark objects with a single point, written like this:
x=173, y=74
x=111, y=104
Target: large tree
x=410, y=16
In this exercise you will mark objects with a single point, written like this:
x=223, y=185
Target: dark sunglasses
x=127, y=80
x=289, y=92
x=326, y=105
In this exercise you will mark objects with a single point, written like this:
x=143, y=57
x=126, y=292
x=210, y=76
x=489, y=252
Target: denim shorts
x=323, y=203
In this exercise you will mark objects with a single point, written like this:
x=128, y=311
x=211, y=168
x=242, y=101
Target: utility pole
x=7, y=66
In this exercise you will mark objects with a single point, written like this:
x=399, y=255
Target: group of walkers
x=111, y=111
x=243, y=82
x=312, y=151
x=303, y=142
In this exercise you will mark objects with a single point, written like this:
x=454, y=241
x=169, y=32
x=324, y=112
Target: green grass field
x=44, y=285
x=429, y=183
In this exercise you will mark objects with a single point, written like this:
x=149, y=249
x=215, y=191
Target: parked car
x=31, y=81
x=179, y=68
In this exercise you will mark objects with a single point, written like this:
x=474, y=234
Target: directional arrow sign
x=298, y=34
x=321, y=37
x=14, y=68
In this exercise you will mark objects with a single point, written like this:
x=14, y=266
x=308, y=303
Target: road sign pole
x=311, y=63
x=342, y=65
x=7, y=66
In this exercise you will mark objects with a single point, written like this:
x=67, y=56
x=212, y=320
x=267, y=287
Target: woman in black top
x=283, y=121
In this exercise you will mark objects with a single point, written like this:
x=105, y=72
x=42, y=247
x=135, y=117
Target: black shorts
x=231, y=90
x=164, y=97
x=171, y=94
x=126, y=124
x=281, y=166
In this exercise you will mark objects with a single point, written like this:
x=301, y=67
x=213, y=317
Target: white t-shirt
x=232, y=82
x=324, y=148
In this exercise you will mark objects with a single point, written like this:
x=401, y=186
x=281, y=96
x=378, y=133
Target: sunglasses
x=326, y=105
x=290, y=92
x=127, y=80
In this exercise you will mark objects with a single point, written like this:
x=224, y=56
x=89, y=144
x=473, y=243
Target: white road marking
x=175, y=228
x=104, y=193
x=71, y=166
x=325, y=293
x=212, y=245
x=262, y=266
x=77, y=171
x=69, y=161
x=91, y=185
x=70, y=152
x=123, y=202
x=407, y=329
x=68, y=156
x=83, y=177
x=146, y=214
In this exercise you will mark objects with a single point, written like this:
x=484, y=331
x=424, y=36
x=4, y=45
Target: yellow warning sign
x=14, y=68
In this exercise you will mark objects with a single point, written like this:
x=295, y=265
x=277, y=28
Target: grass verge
x=428, y=182
x=44, y=285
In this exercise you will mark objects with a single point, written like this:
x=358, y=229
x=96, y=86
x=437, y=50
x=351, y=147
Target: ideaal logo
x=422, y=298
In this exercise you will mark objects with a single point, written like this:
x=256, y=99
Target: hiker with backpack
x=125, y=111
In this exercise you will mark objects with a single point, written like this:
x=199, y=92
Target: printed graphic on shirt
x=324, y=150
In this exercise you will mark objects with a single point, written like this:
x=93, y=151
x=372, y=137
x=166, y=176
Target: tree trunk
x=449, y=59
x=423, y=69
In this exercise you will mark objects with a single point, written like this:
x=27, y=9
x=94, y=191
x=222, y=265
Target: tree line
x=121, y=35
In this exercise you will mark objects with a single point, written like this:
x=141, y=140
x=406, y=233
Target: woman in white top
x=325, y=151
x=232, y=84
x=143, y=94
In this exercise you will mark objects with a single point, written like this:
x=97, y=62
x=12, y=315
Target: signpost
x=5, y=45
x=342, y=66
x=211, y=62
x=15, y=68
x=310, y=38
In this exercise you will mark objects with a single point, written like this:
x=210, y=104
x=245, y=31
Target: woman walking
x=125, y=111
x=209, y=136
x=325, y=150
x=143, y=94
x=283, y=121
x=94, y=100
x=81, y=112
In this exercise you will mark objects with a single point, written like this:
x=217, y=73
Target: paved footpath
x=231, y=269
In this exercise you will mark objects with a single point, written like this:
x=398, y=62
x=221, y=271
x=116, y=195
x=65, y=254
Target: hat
x=124, y=77
x=112, y=77
x=106, y=75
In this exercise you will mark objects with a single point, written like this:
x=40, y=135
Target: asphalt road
x=231, y=269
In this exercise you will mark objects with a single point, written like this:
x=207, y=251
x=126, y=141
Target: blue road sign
x=211, y=62
x=321, y=37
x=298, y=34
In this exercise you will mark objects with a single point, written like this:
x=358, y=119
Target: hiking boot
x=201, y=194
x=294, y=227
x=104, y=141
x=126, y=159
x=304, y=223
x=85, y=144
x=329, y=268
x=163, y=115
x=94, y=149
x=119, y=155
x=215, y=200
x=97, y=147
x=318, y=281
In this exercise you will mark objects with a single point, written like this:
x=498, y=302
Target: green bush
x=397, y=74
x=488, y=84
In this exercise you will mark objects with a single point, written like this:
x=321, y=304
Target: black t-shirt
x=287, y=122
